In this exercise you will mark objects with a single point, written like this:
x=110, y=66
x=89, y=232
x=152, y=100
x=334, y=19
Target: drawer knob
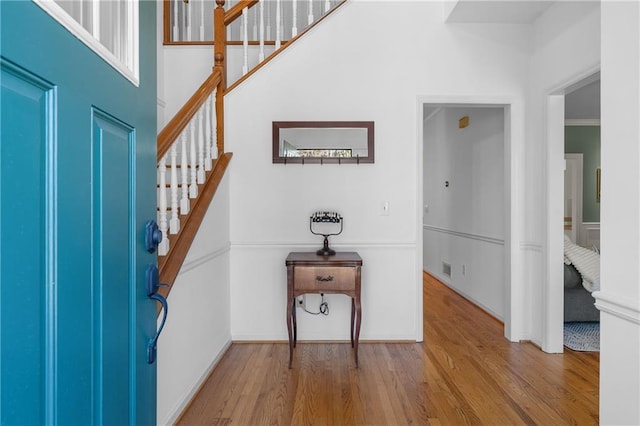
x=324, y=279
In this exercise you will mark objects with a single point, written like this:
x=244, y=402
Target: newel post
x=219, y=53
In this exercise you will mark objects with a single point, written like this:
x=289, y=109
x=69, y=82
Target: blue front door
x=77, y=184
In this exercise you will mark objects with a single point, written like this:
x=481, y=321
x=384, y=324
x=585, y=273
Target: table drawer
x=324, y=278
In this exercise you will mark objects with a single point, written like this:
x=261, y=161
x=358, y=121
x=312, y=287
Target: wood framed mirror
x=319, y=142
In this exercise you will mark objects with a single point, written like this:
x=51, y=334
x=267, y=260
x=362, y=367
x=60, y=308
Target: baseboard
x=184, y=402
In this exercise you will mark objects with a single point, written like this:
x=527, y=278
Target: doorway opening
x=573, y=120
x=466, y=194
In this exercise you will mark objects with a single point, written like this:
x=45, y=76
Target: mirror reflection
x=322, y=141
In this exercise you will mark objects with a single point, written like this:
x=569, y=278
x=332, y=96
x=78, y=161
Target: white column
x=174, y=223
x=163, y=247
x=184, y=175
x=619, y=297
x=327, y=6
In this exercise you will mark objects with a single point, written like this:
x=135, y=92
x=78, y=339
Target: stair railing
x=189, y=22
x=190, y=159
x=191, y=156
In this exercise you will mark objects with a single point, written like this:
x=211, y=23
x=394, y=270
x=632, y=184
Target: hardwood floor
x=465, y=372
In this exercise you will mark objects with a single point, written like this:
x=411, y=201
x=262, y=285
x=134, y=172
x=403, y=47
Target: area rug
x=582, y=336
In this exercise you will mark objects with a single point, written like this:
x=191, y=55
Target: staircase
x=191, y=156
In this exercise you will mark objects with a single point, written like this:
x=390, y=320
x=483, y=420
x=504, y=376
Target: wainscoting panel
x=476, y=265
x=259, y=291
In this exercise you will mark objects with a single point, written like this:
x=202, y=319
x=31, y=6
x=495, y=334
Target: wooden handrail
x=233, y=13
x=172, y=130
x=166, y=22
x=170, y=264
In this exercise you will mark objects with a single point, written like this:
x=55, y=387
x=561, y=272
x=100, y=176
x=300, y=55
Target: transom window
x=108, y=27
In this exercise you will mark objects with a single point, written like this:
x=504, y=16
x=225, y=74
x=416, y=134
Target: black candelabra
x=325, y=218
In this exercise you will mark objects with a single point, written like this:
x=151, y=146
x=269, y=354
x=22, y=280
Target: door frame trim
x=514, y=308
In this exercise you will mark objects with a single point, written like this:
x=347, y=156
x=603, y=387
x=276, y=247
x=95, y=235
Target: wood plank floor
x=465, y=372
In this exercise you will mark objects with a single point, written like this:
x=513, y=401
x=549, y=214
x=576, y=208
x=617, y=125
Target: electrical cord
x=323, y=309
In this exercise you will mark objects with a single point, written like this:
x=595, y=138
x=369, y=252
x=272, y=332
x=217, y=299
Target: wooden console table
x=309, y=273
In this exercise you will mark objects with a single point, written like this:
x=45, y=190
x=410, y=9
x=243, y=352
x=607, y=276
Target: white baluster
x=268, y=27
x=278, y=25
x=184, y=175
x=310, y=18
x=327, y=6
x=189, y=20
x=117, y=34
x=176, y=28
x=207, y=134
x=95, y=19
x=255, y=24
x=261, y=54
x=174, y=223
x=193, y=183
x=245, y=40
x=214, y=123
x=163, y=247
x=202, y=20
x=201, y=174
x=294, y=28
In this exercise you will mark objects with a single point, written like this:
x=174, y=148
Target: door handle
x=152, y=348
x=152, y=236
x=152, y=287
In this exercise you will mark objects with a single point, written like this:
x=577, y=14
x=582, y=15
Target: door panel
x=113, y=283
x=78, y=161
x=24, y=141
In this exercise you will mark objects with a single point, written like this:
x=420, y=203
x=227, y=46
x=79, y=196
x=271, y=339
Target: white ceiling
x=500, y=11
x=581, y=104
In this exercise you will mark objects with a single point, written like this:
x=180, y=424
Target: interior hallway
x=465, y=372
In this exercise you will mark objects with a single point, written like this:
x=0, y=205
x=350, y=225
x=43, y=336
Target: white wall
x=370, y=74
x=197, y=331
x=336, y=73
x=566, y=49
x=619, y=300
x=185, y=69
x=464, y=223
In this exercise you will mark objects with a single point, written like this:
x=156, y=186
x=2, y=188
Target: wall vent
x=446, y=269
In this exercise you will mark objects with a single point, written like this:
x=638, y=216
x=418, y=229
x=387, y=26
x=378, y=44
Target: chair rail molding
x=623, y=308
